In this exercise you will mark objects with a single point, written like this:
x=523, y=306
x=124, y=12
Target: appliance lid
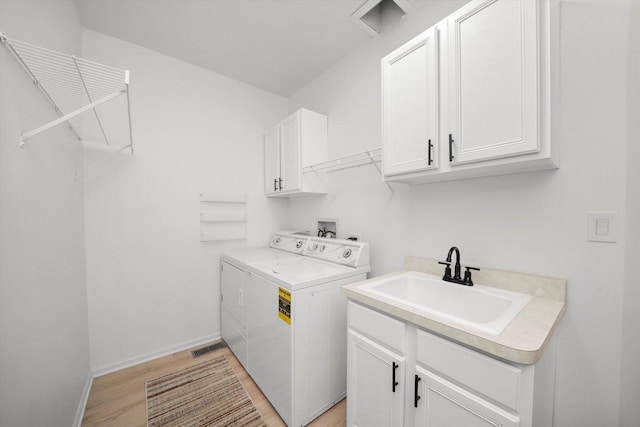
x=252, y=255
x=300, y=272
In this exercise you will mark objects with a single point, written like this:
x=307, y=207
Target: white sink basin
x=483, y=308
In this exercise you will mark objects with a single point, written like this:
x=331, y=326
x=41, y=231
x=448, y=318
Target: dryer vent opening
x=376, y=16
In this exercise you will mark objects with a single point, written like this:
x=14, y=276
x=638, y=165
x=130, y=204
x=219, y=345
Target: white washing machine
x=234, y=275
x=284, y=317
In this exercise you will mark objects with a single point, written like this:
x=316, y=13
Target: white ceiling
x=276, y=45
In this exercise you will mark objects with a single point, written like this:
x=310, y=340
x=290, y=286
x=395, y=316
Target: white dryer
x=286, y=319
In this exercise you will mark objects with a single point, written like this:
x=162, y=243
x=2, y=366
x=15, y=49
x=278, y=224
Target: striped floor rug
x=208, y=394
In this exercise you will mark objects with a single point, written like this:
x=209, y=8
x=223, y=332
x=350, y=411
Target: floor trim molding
x=107, y=369
x=77, y=422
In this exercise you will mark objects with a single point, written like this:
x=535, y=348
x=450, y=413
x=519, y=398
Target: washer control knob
x=276, y=240
x=346, y=253
x=314, y=247
x=322, y=247
x=298, y=244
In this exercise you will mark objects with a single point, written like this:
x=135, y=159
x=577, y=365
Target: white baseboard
x=107, y=369
x=77, y=422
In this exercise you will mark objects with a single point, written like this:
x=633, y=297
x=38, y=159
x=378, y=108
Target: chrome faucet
x=467, y=281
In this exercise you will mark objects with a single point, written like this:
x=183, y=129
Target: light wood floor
x=118, y=399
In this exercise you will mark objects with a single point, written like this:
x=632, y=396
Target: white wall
x=630, y=374
x=533, y=222
x=44, y=344
x=152, y=285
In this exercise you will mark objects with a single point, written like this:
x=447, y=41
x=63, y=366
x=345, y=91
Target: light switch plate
x=602, y=227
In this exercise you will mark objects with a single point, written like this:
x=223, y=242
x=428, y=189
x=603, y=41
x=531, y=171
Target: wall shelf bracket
x=74, y=86
x=368, y=157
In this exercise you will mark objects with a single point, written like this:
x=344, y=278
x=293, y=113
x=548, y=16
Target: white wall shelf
x=74, y=86
x=223, y=217
x=223, y=198
x=234, y=216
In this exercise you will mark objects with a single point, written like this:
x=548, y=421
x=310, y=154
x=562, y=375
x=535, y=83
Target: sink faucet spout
x=456, y=274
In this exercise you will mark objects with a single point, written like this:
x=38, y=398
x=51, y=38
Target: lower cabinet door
x=440, y=403
x=375, y=384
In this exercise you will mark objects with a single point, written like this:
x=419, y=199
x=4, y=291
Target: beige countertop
x=522, y=341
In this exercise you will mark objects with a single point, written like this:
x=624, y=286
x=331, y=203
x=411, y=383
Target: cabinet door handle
x=429, y=159
x=275, y=184
x=451, y=148
x=416, y=380
x=280, y=181
x=394, y=383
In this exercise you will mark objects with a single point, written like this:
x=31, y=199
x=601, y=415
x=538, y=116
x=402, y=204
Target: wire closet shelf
x=367, y=157
x=74, y=86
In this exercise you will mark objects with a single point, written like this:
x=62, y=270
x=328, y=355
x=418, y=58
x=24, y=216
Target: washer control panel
x=293, y=244
x=344, y=252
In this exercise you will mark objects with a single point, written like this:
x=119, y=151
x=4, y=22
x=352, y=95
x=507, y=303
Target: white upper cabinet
x=272, y=161
x=298, y=141
x=290, y=144
x=410, y=103
x=493, y=80
x=490, y=107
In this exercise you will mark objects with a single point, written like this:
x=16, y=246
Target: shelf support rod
x=69, y=116
x=98, y=163
x=370, y=154
x=6, y=42
x=86, y=90
x=126, y=82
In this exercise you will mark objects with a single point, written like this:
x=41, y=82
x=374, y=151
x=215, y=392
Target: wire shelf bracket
x=74, y=86
x=368, y=157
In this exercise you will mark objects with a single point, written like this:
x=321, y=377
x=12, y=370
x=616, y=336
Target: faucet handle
x=447, y=270
x=467, y=275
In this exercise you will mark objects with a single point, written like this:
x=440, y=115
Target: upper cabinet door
x=272, y=161
x=296, y=142
x=290, y=167
x=493, y=80
x=410, y=106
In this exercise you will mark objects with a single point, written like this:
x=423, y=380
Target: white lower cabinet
x=401, y=375
x=438, y=402
x=375, y=384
